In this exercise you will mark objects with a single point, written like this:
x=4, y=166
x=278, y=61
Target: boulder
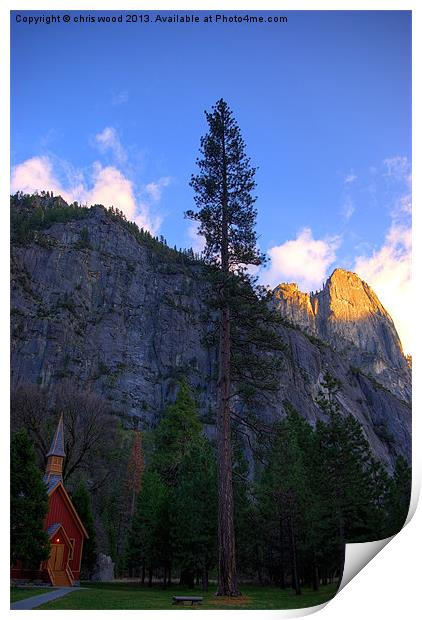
x=104, y=568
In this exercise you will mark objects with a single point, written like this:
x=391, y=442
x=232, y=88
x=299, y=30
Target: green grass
x=135, y=596
x=18, y=594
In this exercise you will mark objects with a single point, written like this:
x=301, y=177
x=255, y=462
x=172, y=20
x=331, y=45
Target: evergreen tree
x=314, y=536
x=397, y=498
x=29, y=504
x=177, y=430
x=147, y=543
x=193, y=514
x=174, y=522
x=82, y=502
x=345, y=462
x=180, y=457
x=246, y=523
x=285, y=489
x=135, y=470
x=226, y=217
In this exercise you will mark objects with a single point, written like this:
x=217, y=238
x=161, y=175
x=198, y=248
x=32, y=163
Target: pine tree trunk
x=205, y=578
x=315, y=576
x=227, y=578
x=187, y=578
x=282, y=580
x=295, y=575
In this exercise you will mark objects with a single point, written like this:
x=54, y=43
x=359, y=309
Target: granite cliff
x=348, y=316
x=93, y=302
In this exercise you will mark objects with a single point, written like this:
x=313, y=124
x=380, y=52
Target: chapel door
x=56, y=557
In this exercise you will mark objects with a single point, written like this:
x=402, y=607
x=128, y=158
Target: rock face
x=118, y=316
x=295, y=306
x=348, y=315
x=126, y=319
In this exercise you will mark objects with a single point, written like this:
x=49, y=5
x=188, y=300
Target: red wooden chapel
x=64, y=527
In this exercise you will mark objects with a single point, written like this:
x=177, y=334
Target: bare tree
x=88, y=426
x=88, y=423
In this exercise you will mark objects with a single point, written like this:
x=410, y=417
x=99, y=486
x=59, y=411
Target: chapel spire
x=56, y=454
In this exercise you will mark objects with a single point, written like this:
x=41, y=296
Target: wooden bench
x=180, y=600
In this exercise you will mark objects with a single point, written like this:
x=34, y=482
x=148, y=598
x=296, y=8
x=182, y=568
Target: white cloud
x=304, y=260
x=108, y=140
x=146, y=220
x=111, y=188
x=389, y=272
x=154, y=189
x=107, y=186
x=36, y=174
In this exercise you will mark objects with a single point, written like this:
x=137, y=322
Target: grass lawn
x=18, y=594
x=135, y=596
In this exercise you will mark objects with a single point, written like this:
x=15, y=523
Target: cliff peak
x=351, y=298
x=347, y=314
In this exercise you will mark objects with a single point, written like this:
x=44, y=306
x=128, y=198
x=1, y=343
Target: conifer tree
x=192, y=514
x=177, y=430
x=147, y=546
x=397, y=499
x=226, y=216
x=82, y=502
x=285, y=492
x=346, y=459
x=135, y=470
x=174, y=522
x=29, y=505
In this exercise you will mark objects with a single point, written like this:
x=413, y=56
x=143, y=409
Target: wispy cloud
x=37, y=174
x=303, y=260
x=348, y=208
x=108, y=141
x=388, y=269
x=105, y=185
x=350, y=178
x=154, y=189
x=49, y=137
x=120, y=98
x=398, y=171
x=398, y=168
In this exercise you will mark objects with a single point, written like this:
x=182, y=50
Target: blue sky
x=115, y=112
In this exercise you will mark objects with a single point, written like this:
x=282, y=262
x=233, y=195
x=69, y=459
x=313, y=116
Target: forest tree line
x=30, y=214
x=149, y=498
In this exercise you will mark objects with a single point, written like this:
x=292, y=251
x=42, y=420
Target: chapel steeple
x=55, y=455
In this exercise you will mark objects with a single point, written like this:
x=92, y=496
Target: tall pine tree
x=226, y=217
